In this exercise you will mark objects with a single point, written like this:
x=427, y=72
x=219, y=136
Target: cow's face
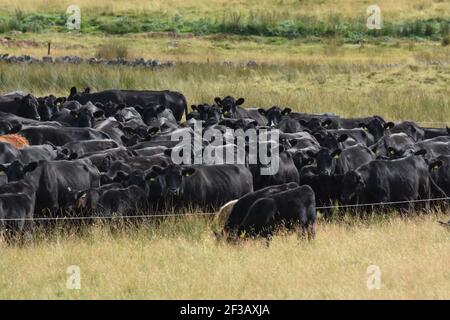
x=375, y=127
x=329, y=141
x=274, y=115
x=212, y=114
x=84, y=117
x=16, y=171
x=326, y=161
x=28, y=107
x=167, y=181
x=353, y=183
x=229, y=105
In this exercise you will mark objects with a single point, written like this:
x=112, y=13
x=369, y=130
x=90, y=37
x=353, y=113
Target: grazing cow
x=197, y=185
x=381, y=181
x=173, y=100
x=21, y=106
x=259, y=213
x=15, y=140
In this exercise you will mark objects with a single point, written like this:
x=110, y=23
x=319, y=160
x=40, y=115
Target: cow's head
x=274, y=115
x=375, y=127
x=78, y=96
x=84, y=117
x=229, y=105
x=153, y=114
x=110, y=108
x=16, y=171
x=167, y=181
x=329, y=141
x=326, y=161
x=353, y=183
x=212, y=114
x=28, y=107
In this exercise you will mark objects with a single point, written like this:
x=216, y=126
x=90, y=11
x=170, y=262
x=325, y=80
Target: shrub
x=112, y=49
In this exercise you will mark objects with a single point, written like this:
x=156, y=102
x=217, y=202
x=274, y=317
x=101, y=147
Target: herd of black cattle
x=108, y=154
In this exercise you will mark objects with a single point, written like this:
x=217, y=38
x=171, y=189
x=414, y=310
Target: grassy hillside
x=290, y=19
x=181, y=260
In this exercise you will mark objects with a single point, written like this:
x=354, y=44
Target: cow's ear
x=342, y=138
x=30, y=167
x=65, y=151
x=87, y=90
x=286, y=111
x=15, y=127
x=362, y=126
x=240, y=101
x=74, y=113
x=262, y=111
x=309, y=161
x=152, y=130
x=448, y=130
x=98, y=114
x=435, y=165
x=99, y=105
x=168, y=152
x=73, y=91
x=194, y=107
x=336, y=154
x=420, y=152
x=121, y=106
x=188, y=171
x=218, y=101
x=326, y=123
x=120, y=176
x=73, y=156
x=389, y=125
x=160, y=109
x=81, y=194
x=151, y=176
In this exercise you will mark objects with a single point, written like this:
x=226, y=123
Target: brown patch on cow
x=15, y=140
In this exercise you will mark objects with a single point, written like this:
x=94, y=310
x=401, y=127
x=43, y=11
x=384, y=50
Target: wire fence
x=389, y=203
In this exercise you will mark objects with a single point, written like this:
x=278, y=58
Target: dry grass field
x=180, y=259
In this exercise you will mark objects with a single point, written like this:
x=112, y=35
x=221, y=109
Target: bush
x=446, y=41
x=112, y=50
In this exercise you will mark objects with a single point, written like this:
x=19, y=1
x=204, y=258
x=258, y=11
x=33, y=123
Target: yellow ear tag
x=84, y=195
x=2, y=173
x=337, y=156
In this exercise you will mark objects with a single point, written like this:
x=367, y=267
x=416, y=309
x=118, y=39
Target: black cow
x=382, y=181
x=173, y=100
x=26, y=107
x=262, y=211
x=197, y=185
x=440, y=172
x=52, y=180
x=231, y=108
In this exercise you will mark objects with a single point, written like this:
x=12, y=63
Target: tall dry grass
x=416, y=92
x=180, y=259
